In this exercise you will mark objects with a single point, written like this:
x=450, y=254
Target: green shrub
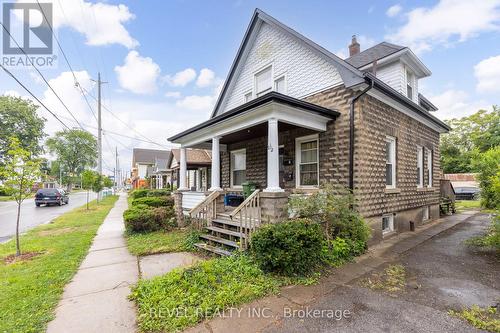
x=154, y=201
x=335, y=208
x=491, y=239
x=290, y=248
x=488, y=165
x=159, y=193
x=143, y=218
x=139, y=193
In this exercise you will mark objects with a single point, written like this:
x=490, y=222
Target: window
x=420, y=166
x=429, y=167
x=247, y=97
x=387, y=223
x=238, y=167
x=409, y=84
x=390, y=162
x=279, y=85
x=307, y=161
x=425, y=215
x=263, y=81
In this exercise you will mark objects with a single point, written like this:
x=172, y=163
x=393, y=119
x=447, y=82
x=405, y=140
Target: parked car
x=467, y=193
x=50, y=196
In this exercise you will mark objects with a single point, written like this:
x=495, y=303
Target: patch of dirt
x=11, y=259
x=56, y=231
x=392, y=279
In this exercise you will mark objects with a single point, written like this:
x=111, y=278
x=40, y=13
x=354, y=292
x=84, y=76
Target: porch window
x=279, y=85
x=263, y=81
x=390, y=162
x=420, y=166
x=307, y=161
x=238, y=167
x=387, y=223
x=429, y=167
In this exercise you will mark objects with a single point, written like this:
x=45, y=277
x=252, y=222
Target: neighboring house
x=198, y=168
x=292, y=115
x=143, y=161
x=162, y=177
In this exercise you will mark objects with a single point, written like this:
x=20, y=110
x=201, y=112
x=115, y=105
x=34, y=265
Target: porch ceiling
x=252, y=115
x=254, y=132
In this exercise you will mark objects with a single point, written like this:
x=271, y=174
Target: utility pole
x=99, y=128
x=116, y=167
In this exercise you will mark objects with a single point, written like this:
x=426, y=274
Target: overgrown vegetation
x=392, y=279
x=491, y=240
x=488, y=165
x=177, y=240
x=31, y=288
x=185, y=297
x=482, y=318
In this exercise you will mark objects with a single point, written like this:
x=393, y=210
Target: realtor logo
x=27, y=35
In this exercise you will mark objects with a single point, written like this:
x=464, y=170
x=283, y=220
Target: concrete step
x=220, y=240
x=225, y=231
x=213, y=249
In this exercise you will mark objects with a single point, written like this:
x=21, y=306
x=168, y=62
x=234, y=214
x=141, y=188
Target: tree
x=18, y=118
x=76, y=150
x=97, y=185
x=488, y=165
x=470, y=136
x=107, y=182
x=88, y=179
x=20, y=171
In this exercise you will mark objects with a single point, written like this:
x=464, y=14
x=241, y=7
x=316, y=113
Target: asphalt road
x=31, y=216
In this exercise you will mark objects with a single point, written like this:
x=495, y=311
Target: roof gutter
x=351, y=134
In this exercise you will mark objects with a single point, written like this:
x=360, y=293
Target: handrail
x=203, y=213
x=199, y=206
x=244, y=203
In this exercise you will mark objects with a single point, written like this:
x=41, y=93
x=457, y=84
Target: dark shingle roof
x=376, y=52
x=148, y=156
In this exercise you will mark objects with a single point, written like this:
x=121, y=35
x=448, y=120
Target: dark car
x=50, y=196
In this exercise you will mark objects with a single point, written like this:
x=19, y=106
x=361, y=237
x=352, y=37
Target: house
x=292, y=115
x=143, y=165
x=198, y=163
x=161, y=175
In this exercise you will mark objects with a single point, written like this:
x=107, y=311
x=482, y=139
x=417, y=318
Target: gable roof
x=148, y=156
x=350, y=75
x=194, y=156
x=373, y=53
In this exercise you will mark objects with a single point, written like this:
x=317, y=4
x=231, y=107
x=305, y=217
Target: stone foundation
x=273, y=206
x=179, y=214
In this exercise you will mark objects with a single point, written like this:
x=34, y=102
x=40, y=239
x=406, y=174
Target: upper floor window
x=263, y=81
x=409, y=84
x=429, y=167
x=247, y=97
x=390, y=162
x=420, y=166
x=279, y=85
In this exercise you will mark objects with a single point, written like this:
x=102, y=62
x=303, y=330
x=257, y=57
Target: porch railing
x=248, y=214
x=203, y=213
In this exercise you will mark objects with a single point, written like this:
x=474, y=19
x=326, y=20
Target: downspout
x=351, y=134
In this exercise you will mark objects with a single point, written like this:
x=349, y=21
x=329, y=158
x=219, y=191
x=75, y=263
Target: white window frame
x=420, y=164
x=393, y=155
x=260, y=70
x=410, y=82
x=391, y=224
x=232, y=165
x=284, y=83
x=245, y=96
x=298, y=156
x=429, y=166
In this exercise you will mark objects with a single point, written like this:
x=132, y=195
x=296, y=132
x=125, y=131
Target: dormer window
x=409, y=84
x=263, y=81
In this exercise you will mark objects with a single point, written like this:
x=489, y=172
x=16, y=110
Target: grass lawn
x=462, y=205
x=30, y=289
x=177, y=240
x=5, y=198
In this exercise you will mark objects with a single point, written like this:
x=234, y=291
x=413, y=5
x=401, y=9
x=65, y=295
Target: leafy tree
x=469, y=137
x=20, y=171
x=107, y=182
x=98, y=185
x=88, y=179
x=75, y=149
x=488, y=165
x=18, y=118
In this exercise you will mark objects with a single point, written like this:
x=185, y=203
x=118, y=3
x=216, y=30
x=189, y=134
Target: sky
x=164, y=61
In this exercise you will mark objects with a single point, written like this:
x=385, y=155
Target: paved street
x=31, y=216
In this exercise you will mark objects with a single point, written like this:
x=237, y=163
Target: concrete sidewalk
x=96, y=298
x=300, y=297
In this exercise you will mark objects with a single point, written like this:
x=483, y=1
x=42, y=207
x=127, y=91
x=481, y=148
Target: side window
x=420, y=166
x=387, y=223
x=409, y=84
x=390, y=162
x=263, y=81
x=429, y=167
x=247, y=97
x=279, y=85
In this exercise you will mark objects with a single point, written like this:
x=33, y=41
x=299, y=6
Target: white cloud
x=447, y=22
x=197, y=103
x=12, y=93
x=139, y=74
x=394, y=10
x=487, y=73
x=182, y=78
x=206, y=78
x=173, y=94
x=101, y=23
x=454, y=103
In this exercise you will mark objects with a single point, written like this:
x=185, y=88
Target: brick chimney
x=354, y=48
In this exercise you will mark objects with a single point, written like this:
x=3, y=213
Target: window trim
x=250, y=92
x=410, y=83
x=284, y=77
x=394, y=156
x=420, y=163
x=258, y=71
x=391, y=224
x=298, y=141
x=430, y=165
x=232, y=165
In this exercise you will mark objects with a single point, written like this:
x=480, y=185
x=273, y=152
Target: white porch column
x=273, y=168
x=183, y=171
x=215, y=165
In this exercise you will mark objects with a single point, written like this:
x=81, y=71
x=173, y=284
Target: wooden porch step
x=213, y=249
x=220, y=240
x=225, y=231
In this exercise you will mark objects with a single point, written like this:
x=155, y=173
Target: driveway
x=444, y=274
x=31, y=216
